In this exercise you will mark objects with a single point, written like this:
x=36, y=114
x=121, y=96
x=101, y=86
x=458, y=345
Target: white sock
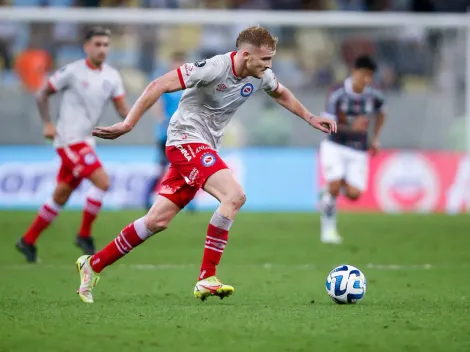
x=142, y=231
x=328, y=212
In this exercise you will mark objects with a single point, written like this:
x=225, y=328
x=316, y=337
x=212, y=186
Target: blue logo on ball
x=246, y=90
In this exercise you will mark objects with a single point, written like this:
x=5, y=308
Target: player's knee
x=61, y=194
x=156, y=222
x=60, y=199
x=105, y=185
x=236, y=199
x=334, y=188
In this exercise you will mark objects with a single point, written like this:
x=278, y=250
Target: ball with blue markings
x=346, y=284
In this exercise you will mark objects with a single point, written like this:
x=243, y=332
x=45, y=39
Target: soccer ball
x=346, y=284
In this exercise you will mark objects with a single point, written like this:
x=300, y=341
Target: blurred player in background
x=215, y=89
x=343, y=156
x=164, y=109
x=86, y=86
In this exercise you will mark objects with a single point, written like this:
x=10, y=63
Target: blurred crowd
x=309, y=57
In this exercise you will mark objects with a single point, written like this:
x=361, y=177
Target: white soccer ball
x=346, y=284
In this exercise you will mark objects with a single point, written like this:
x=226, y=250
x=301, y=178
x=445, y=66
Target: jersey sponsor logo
x=191, y=151
x=246, y=90
x=202, y=147
x=200, y=63
x=221, y=87
x=184, y=152
x=193, y=174
x=208, y=159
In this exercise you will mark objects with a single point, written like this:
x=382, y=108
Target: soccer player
x=164, y=109
x=86, y=86
x=214, y=90
x=343, y=156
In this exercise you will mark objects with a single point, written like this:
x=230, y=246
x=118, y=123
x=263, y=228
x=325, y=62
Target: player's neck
x=356, y=89
x=92, y=65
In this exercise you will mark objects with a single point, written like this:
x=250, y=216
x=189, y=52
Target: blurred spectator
x=160, y=4
x=88, y=3
x=7, y=37
x=249, y=4
x=286, y=4
x=423, y=5
x=350, y=5
x=32, y=66
x=451, y=5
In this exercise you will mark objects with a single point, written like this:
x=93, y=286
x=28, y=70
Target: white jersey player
x=215, y=88
x=87, y=86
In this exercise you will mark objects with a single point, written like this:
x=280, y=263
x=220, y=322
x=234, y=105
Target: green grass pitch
x=417, y=266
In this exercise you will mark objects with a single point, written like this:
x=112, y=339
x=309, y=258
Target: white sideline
x=266, y=266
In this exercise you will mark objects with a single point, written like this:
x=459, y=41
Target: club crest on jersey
x=246, y=90
x=89, y=159
x=208, y=159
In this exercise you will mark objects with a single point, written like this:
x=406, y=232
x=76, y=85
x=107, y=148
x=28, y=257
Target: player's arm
x=170, y=82
x=285, y=98
x=121, y=106
x=59, y=81
x=119, y=97
x=42, y=102
x=379, y=122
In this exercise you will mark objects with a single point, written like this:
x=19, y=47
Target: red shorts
x=79, y=161
x=191, y=165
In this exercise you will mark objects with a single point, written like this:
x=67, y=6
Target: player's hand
x=323, y=124
x=49, y=131
x=374, y=146
x=112, y=132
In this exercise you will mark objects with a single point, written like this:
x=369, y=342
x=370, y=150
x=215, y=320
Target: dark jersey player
x=354, y=104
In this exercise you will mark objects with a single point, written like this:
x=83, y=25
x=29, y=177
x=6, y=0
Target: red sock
x=90, y=212
x=46, y=215
x=216, y=240
x=129, y=238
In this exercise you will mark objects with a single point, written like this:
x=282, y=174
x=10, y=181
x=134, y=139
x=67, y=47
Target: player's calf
x=93, y=203
x=328, y=197
x=135, y=234
x=228, y=191
x=352, y=193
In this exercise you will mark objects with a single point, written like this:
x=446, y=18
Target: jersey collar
x=348, y=87
x=232, y=56
x=91, y=67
